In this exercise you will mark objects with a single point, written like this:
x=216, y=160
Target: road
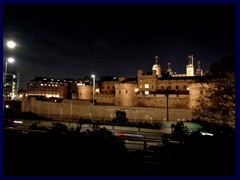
x=133, y=137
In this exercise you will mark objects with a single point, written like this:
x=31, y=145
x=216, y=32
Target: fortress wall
x=105, y=99
x=76, y=109
x=150, y=100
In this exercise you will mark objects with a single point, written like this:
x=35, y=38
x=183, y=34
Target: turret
x=169, y=70
x=157, y=67
x=199, y=71
x=190, y=67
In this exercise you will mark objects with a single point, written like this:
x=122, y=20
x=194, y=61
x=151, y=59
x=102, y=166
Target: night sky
x=74, y=41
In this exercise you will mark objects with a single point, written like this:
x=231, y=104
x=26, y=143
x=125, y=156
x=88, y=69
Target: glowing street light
x=93, y=76
x=11, y=44
x=10, y=60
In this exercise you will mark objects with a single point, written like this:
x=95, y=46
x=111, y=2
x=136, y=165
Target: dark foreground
x=100, y=153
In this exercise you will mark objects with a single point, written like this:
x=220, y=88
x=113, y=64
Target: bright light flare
x=136, y=90
x=18, y=122
x=11, y=44
x=206, y=133
x=10, y=60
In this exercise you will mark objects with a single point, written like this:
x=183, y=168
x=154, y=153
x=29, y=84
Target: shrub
x=120, y=118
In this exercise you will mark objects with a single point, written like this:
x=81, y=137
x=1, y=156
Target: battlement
x=125, y=86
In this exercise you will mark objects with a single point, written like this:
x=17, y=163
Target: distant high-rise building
x=11, y=85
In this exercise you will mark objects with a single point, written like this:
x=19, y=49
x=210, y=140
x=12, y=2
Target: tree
x=217, y=100
x=120, y=118
x=59, y=128
x=225, y=65
x=35, y=126
x=179, y=131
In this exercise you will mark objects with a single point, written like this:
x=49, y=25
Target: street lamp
x=93, y=76
x=10, y=60
x=11, y=44
x=167, y=104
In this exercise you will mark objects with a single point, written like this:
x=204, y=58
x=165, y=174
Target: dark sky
x=74, y=41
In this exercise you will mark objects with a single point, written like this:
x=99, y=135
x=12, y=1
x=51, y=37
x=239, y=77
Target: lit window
x=146, y=92
x=41, y=84
x=146, y=85
x=97, y=90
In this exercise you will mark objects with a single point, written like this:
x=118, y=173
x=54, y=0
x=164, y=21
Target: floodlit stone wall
x=160, y=100
x=124, y=95
x=75, y=109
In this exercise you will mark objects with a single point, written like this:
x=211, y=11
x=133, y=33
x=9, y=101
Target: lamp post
x=11, y=45
x=167, y=104
x=93, y=76
x=10, y=60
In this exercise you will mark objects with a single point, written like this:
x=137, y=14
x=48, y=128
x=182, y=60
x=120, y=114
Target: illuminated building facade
x=11, y=86
x=147, y=90
x=150, y=89
x=47, y=87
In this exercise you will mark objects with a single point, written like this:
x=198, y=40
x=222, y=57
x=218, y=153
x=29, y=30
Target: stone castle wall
x=75, y=109
x=105, y=99
x=160, y=100
x=128, y=98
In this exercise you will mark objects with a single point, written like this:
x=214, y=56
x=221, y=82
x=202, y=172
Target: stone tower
x=157, y=67
x=169, y=70
x=199, y=71
x=190, y=67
